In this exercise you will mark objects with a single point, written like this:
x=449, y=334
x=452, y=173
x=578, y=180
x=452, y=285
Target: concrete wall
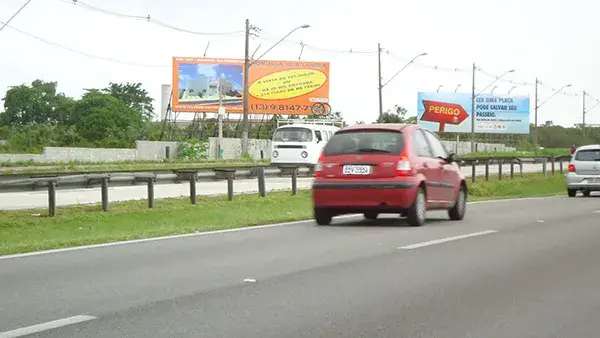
x=144, y=151
x=232, y=147
x=464, y=147
x=156, y=151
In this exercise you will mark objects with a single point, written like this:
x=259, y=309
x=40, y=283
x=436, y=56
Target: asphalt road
x=523, y=268
x=39, y=199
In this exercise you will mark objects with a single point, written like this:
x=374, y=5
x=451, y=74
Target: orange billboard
x=275, y=87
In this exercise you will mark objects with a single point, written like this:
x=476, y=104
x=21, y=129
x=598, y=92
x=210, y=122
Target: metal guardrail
x=56, y=181
x=53, y=181
x=500, y=161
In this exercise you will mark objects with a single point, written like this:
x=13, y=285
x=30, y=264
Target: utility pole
x=473, y=112
x=380, y=86
x=245, y=102
x=535, y=114
x=583, y=125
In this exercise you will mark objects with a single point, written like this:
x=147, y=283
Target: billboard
x=494, y=114
x=275, y=87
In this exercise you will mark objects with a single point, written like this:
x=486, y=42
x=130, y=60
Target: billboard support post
x=245, y=91
x=380, y=87
x=473, y=112
x=535, y=110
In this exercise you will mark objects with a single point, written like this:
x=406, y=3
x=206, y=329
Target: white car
x=584, y=171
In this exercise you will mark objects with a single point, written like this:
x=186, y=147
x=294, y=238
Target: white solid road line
x=45, y=326
x=447, y=239
x=207, y=233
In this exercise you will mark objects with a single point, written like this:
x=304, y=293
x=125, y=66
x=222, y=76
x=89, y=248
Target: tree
x=105, y=120
x=38, y=103
x=397, y=115
x=134, y=96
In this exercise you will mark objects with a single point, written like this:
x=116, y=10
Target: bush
x=193, y=149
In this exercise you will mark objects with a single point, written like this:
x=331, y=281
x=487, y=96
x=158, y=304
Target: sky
x=551, y=40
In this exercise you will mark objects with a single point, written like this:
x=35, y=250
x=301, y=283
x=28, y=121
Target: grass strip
x=129, y=166
x=30, y=230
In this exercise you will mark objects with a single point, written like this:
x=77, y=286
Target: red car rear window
x=365, y=142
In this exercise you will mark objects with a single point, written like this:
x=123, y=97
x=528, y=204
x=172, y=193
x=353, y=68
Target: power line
x=78, y=51
x=148, y=18
x=273, y=38
x=15, y=14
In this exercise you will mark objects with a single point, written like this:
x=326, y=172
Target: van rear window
x=297, y=134
x=588, y=155
x=365, y=142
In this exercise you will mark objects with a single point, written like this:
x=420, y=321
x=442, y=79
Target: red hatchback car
x=387, y=168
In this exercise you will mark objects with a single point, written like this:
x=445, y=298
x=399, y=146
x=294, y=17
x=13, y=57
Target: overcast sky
x=553, y=40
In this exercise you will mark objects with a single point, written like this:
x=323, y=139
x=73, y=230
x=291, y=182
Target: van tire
x=322, y=216
x=587, y=193
x=415, y=216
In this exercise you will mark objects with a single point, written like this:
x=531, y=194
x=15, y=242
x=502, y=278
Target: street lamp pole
x=388, y=81
x=537, y=106
x=473, y=103
x=247, y=65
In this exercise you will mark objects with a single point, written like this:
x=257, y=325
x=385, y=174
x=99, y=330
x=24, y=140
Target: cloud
x=209, y=71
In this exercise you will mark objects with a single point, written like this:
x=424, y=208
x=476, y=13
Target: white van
x=300, y=142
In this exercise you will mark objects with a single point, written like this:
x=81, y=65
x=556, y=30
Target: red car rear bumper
x=391, y=195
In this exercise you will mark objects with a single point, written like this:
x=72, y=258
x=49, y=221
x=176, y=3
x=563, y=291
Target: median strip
x=23, y=231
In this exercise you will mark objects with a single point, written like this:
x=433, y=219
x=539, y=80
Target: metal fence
x=56, y=181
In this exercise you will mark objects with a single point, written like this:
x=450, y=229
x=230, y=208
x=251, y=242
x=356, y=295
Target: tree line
x=37, y=115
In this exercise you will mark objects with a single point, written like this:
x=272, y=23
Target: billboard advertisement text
x=275, y=87
x=494, y=114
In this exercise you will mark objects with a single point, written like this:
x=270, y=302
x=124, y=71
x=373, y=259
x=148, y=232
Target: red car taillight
x=319, y=167
x=571, y=168
x=403, y=168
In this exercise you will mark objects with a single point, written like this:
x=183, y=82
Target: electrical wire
x=272, y=38
x=150, y=19
x=15, y=15
x=51, y=43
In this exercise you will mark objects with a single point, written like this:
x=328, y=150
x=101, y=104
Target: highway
x=39, y=198
x=516, y=268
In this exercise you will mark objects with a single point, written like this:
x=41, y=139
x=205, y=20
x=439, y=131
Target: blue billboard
x=494, y=114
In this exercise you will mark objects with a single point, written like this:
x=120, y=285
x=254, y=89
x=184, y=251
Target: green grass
x=541, y=153
x=129, y=166
x=31, y=230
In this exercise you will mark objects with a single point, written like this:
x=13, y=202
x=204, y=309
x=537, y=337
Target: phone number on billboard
x=279, y=107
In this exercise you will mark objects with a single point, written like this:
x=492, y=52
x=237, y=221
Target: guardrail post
x=512, y=168
x=473, y=171
x=500, y=162
x=544, y=166
x=261, y=181
x=560, y=165
x=521, y=168
x=487, y=170
x=230, y=186
x=193, y=177
x=104, y=194
x=294, y=181
x=52, y=198
x=150, y=193
x=552, y=165
x=168, y=152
